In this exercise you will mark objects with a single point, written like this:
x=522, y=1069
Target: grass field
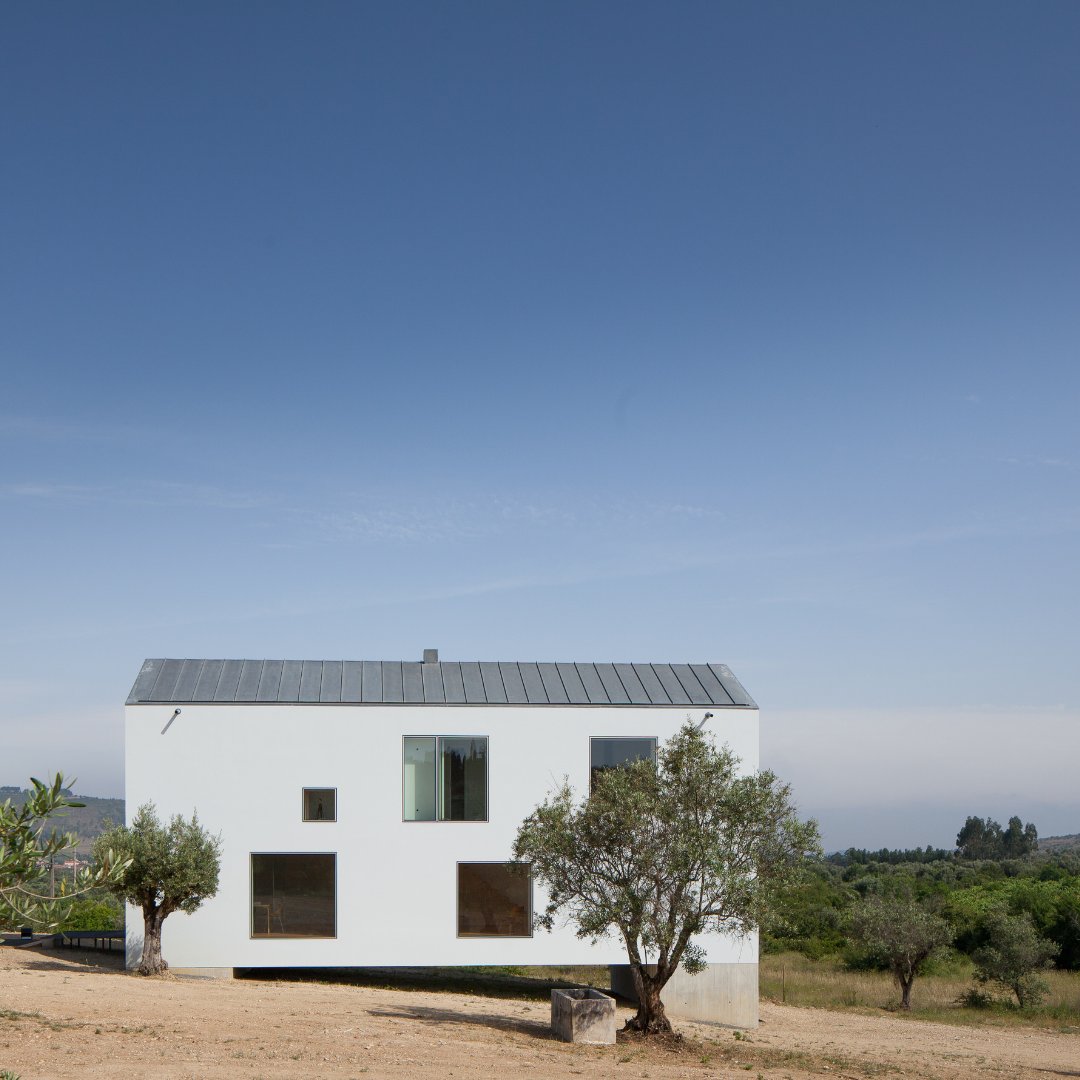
x=792, y=979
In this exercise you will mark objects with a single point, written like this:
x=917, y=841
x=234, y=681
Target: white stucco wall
x=242, y=767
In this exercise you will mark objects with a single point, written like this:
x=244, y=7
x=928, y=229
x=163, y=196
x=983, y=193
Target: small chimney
x=431, y=656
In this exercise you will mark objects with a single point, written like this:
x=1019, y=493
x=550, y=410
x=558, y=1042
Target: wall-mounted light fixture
x=176, y=713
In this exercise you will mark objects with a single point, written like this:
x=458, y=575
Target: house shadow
x=424, y=1014
x=54, y=959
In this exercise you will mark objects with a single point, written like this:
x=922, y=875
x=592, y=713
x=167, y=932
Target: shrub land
x=1006, y=928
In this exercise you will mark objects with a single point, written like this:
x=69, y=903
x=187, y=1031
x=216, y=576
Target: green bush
x=87, y=914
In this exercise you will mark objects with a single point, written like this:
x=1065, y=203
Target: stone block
x=583, y=1016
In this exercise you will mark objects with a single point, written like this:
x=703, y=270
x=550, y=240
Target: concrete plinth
x=725, y=994
x=583, y=1016
x=204, y=972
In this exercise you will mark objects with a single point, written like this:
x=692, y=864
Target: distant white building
x=368, y=808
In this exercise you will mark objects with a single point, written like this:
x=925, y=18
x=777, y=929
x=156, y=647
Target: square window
x=293, y=895
x=444, y=778
x=320, y=804
x=607, y=754
x=494, y=900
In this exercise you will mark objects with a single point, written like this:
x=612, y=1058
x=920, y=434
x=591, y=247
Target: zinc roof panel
x=166, y=680
x=652, y=686
x=631, y=684
x=534, y=685
x=412, y=682
x=732, y=685
x=594, y=685
x=515, y=688
x=270, y=681
x=433, y=688
x=208, y=680
x=453, y=684
x=188, y=680
x=331, y=681
x=392, y=683
x=694, y=690
x=474, y=683
x=616, y=693
x=291, y=673
x=493, y=683
x=672, y=687
x=230, y=679
x=247, y=688
x=572, y=684
x=352, y=676
x=549, y=675
x=372, y=681
x=711, y=685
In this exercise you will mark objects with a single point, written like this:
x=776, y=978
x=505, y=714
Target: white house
x=368, y=808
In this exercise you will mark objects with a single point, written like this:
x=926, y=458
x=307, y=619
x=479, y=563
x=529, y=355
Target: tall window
x=293, y=895
x=611, y=753
x=444, y=778
x=494, y=900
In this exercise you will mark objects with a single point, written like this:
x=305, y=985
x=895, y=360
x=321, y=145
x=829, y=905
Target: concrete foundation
x=725, y=994
x=203, y=972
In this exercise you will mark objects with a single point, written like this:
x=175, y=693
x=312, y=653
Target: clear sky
x=605, y=331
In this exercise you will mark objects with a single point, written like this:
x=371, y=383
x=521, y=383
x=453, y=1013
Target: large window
x=444, y=778
x=494, y=900
x=611, y=753
x=293, y=895
x=320, y=804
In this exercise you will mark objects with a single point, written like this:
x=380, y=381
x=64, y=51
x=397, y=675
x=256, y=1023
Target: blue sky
x=740, y=332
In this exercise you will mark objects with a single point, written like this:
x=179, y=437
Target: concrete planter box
x=583, y=1016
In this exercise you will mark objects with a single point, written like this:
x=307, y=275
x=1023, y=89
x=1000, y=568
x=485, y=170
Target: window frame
x=437, y=820
x=303, y=806
x=252, y=936
x=457, y=901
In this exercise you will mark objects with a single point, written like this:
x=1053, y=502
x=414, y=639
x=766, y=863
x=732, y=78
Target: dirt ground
x=79, y=1015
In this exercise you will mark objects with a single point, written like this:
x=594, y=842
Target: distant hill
x=1055, y=845
x=86, y=822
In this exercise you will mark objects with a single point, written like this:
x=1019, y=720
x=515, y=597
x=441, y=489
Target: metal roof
x=403, y=682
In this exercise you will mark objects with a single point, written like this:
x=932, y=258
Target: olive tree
x=28, y=841
x=661, y=852
x=1014, y=955
x=170, y=868
x=902, y=933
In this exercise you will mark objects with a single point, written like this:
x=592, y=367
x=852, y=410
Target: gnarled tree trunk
x=650, y=1019
x=152, y=962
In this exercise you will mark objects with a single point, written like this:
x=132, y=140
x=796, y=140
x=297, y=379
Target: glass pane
x=293, y=895
x=418, y=779
x=611, y=753
x=320, y=804
x=463, y=775
x=494, y=900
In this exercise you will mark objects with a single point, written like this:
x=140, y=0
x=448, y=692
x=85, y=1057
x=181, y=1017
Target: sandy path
x=63, y=1017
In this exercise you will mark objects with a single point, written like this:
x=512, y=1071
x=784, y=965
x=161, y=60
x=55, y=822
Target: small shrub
x=975, y=997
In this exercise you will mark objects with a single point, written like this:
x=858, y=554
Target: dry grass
x=792, y=979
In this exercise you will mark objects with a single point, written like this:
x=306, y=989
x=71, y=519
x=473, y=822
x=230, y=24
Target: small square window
x=320, y=804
